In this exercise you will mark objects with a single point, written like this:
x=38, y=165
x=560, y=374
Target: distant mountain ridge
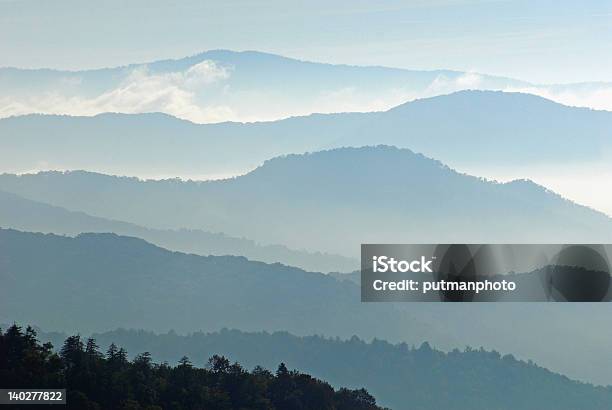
x=466, y=129
x=26, y=215
x=100, y=281
x=221, y=85
x=331, y=201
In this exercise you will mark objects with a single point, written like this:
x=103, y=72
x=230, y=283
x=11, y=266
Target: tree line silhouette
x=96, y=380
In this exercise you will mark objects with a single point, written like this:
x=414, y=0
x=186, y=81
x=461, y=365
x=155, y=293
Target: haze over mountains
x=465, y=128
x=331, y=201
x=222, y=85
x=304, y=191
x=27, y=215
x=215, y=202
x=101, y=281
x=499, y=135
x=96, y=282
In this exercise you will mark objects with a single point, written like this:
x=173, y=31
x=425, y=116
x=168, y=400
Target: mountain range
x=222, y=85
x=97, y=282
x=331, y=201
x=255, y=212
x=465, y=129
x=26, y=215
x=100, y=281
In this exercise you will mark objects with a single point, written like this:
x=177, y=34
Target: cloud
x=592, y=95
x=354, y=99
x=443, y=84
x=174, y=93
x=205, y=93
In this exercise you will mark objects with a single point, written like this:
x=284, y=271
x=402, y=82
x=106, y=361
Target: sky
x=541, y=42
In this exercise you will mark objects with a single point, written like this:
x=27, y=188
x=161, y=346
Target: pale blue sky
x=538, y=41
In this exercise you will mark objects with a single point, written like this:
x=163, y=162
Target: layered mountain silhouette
x=225, y=85
x=101, y=281
x=331, y=201
x=400, y=376
x=465, y=129
x=222, y=85
x=96, y=282
x=27, y=215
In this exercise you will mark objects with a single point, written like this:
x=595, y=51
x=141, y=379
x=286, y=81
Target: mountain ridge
x=220, y=52
x=140, y=282
x=27, y=215
x=216, y=53
x=323, y=195
x=318, y=355
x=495, y=130
x=101, y=282
x=397, y=108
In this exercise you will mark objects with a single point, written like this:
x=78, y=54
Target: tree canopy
x=110, y=381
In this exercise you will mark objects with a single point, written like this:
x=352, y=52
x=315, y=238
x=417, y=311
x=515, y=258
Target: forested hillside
x=400, y=376
x=97, y=380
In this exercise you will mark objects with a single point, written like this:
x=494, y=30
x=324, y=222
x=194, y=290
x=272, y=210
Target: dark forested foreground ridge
x=95, y=380
x=399, y=376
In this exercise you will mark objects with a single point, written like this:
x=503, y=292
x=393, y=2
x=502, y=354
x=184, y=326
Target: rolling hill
x=98, y=282
x=101, y=281
x=221, y=85
x=26, y=215
x=488, y=130
x=331, y=201
x=224, y=85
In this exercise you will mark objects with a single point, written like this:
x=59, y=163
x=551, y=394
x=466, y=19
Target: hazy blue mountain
x=223, y=85
x=354, y=276
x=332, y=201
x=400, y=376
x=465, y=129
x=23, y=214
x=270, y=70
x=97, y=282
x=101, y=281
x=491, y=128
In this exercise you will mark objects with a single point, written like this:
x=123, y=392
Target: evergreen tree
x=95, y=381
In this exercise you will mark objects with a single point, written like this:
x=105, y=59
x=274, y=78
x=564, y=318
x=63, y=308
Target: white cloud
x=204, y=93
x=597, y=95
x=353, y=99
x=141, y=91
x=443, y=84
